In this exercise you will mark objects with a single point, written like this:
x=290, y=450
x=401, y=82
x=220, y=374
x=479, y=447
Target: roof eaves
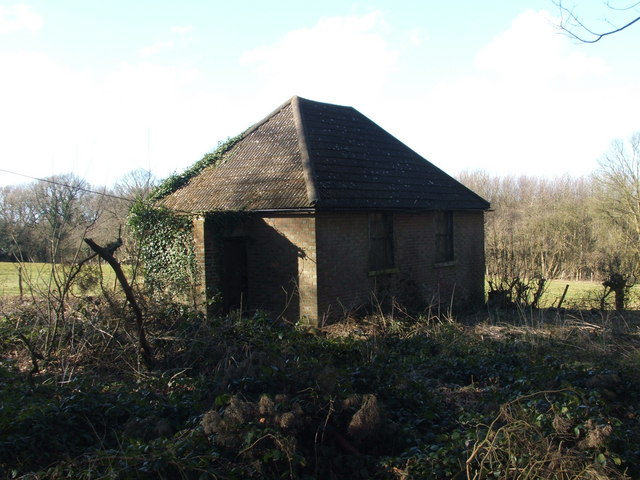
x=307, y=165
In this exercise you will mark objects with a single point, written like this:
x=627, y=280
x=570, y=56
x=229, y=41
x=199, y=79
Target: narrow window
x=444, y=237
x=380, y=241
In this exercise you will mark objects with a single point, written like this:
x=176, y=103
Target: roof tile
x=309, y=154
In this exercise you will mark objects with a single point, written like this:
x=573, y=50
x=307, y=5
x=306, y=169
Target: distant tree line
x=45, y=221
x=580, y=228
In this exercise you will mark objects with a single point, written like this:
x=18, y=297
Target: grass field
x=582, y=294
x=578, y=292
x=36, y=278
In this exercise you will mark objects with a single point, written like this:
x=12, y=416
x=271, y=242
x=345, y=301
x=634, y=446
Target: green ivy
x=176, y=181
x=165, y=238
x=166, y=246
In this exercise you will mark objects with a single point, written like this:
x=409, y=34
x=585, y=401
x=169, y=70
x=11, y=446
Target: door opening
x=235, y=273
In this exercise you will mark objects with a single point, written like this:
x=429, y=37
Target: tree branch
x=568, y=17
x=107, y=254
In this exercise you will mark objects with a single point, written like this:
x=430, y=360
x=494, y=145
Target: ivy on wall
x=166, y=246
x=165, y=238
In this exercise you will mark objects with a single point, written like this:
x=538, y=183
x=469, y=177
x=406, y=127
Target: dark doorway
x=235, y=273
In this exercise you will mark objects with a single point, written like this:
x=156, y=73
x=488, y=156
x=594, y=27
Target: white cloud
x=181, y=29
x=536, y=103
x=163, y=45
x=533, y=102
x=55, y=119
x=532, y=50
x=156, y=48
x=19, y=17
x=340, y=58
x=416, y=37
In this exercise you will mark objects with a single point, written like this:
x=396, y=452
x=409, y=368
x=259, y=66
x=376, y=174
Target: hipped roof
x=313, y=155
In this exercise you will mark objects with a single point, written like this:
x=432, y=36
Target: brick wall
x=205, y=259
x=469, y=237
x=282, y=266
x=198, y=240
x=281, y=262
x=316, y=268
x=343, y=252
x=461, y=279
x=344, y=280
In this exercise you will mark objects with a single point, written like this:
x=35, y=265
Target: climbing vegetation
x=178, y=180
x=166, y=248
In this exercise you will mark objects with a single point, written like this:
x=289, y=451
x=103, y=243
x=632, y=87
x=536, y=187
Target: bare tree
x=572, y=24
x=136, y=184
x=618, y=179
x=618, y=192
x=19, y=220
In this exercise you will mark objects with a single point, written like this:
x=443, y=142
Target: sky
x=101, y=88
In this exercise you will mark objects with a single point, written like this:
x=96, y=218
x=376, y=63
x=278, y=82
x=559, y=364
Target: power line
x=53, y=182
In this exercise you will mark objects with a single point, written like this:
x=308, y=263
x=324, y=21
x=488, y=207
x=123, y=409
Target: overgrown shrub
x=257, y=398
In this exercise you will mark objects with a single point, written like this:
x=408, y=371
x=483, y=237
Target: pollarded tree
x=618, y=191
x=618, y=181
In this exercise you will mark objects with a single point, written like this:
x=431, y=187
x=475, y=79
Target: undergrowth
x=517, y=397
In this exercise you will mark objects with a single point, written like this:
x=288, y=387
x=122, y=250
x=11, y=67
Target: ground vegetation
x=500, y=394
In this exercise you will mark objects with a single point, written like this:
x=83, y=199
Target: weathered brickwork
x=461, y=280
x=316, y=267
x=469, y=245
x=198, y=240
x=281, y=262
x=205, y=259
x=282, y=266
x=343, y=249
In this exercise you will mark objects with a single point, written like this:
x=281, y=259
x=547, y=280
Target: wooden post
x=564, y=294
x=20, y=280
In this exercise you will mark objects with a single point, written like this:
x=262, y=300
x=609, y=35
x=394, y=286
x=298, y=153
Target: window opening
x=444, y=237
x=380, y=241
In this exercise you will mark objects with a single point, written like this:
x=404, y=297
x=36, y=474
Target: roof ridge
x=303, y=145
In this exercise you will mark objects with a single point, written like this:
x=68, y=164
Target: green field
x=37, y=278
x=578, y=292
x=582, y=294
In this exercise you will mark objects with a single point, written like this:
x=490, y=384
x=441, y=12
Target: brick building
x=316, y=211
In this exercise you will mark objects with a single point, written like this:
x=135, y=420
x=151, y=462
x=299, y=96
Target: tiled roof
x=312, y=155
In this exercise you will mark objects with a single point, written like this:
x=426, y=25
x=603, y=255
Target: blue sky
x=100, y=88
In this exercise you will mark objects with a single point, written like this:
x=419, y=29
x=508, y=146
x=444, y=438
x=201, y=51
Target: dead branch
x=106, y=253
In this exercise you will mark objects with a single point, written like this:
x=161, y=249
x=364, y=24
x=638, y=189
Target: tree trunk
x=107, y=254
